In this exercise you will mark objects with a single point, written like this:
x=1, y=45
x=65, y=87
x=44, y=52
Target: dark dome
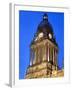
x=45, y=27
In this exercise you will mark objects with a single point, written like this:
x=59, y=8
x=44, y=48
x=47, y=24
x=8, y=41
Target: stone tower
x=43, y=52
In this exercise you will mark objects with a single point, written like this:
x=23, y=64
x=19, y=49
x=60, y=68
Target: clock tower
x=43, y=52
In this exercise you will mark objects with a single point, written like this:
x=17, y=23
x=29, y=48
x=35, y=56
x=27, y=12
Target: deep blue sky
x=28, y=22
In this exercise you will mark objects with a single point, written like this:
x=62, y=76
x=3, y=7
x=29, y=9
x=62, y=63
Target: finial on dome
x=45, y=17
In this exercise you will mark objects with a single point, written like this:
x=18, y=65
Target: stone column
x=35, y=56
x=48, y=52
x=39, y=54
x=44, y=52
x=30, y=57
x=56, y=59
x=53, y=56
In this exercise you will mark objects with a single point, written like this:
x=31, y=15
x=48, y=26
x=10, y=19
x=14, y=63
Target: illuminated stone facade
x=44, y=53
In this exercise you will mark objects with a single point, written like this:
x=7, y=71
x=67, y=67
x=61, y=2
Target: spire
x=45, y=17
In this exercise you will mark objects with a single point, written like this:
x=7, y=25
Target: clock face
x=36, y=39
x=50, y=35
x=40, y=35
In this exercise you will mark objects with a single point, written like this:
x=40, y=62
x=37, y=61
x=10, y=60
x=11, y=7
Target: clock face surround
x=40, y=35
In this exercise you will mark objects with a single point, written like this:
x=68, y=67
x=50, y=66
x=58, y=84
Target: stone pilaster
x=44, y=52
